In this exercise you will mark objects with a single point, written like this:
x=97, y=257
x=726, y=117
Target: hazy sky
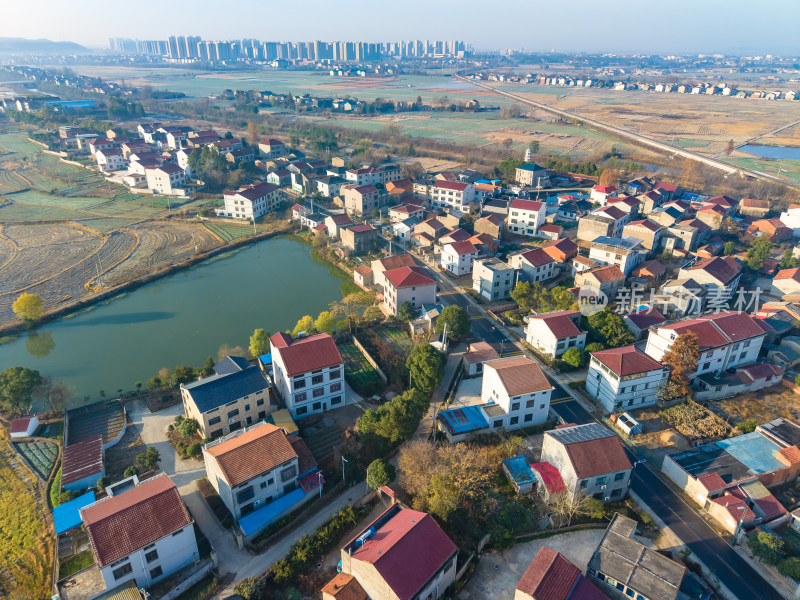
x=746, y=26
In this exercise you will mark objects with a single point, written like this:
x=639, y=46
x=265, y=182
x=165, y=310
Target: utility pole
x=344, y=460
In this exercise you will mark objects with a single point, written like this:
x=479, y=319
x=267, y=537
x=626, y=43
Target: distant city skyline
x=625, y=26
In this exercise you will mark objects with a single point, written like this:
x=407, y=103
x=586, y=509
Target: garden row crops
x=397, y=338
x=229, y=232
x=40, y=456
x=361, y=375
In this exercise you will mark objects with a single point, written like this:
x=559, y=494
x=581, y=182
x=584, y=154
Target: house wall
x=533, y=273
x=298, y=392
x=628, y=393
x=265, y=488
x=592, y=227
x=538, y=335
x=521, y=411
x=490, y=283
x=219, y=421
x=418, y=295
x=625, y=262
x=604, y=485
x=525, y=222
x=457, y=264
x=375, y=586
x=88, y=482
x=175, y=551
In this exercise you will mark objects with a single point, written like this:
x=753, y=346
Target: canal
x=177, y=320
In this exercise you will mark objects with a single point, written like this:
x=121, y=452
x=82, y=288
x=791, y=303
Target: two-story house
x=143, y=533
x=624, y=378
x=387, y=263
x=408, y=284
x=358, y=238
x=110, y=159
x=647, y=231
x=535, y=265
x=237, y=395
x=273, y=148
x=493, y=279
x=166, y=179
x=726, y=340
x=457, y=258
x=252, y=468
x=601, y=193
x=308, y=373
x=514, y=393
x=525, y=216
x=401, y=555
x=363, y=176
x=531, y=174
x=555, y=332
x=590, y=459
x=250, y=202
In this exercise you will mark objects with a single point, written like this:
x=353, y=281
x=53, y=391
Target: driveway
x=497, y=574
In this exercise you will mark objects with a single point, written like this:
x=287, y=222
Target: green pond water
x=177, y=320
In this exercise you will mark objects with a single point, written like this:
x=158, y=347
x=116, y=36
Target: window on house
x=600, y=481
x=214, y=421
x=233, y=413
x=515, y=406
x=317, y=379
x=528, y=418
x=513, y=421
x=336, y=399
x=260, y=402
x=335, y=387
x=301, y=397
x=498, y=423
x=288, y=474
x=151, y=555
x=584, y=483
x=245, y=494
x=299, y=384
x=318, y=392
x=619, y=476
x=122, y=571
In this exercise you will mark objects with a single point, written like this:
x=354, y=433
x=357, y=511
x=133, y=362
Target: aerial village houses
x=624, y=253
x=361, y=200
x=550, y=576
x=237, y=395
x=493, y=279
x=143, y=534
x=591, y=460
x=535, y=265
x=532, y=175
x=452, y=194
x=457, y=258
x=410, y=284
x=624, y=378
x=250, y=202
x=525, y=217
x=308, y=373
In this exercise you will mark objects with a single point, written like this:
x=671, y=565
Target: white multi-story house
x=617, y=217
x=623, y=253
x=143, y=534
x=252, y=468
x=590, y=459
x=525, y=216
x=726, y=340
x=110, y=159
x=330, y=186
x=360, y=199
x=166, y=179
x=388, y=263
x=601, y=193
x=452, y=194
x=364, y=176
x=308, y=373
x=555, y=332
x=250, y=202
x=624, y=378
x=514, y=393
x=492, y=278
x=407, y=284
x=457, y=258
x=535, y=265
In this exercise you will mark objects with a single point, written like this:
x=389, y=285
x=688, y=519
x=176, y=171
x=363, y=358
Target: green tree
x=194, y=450
x=131, y=471
x=102, y=484
x=305, y=323
x=608, y=328
x=406, y=311
x=760, y=250
x=149, y=459
x=259, y=343
x=393, y=422
x=534, y=147
x=508, y=168
x=594, y=347
x=325, y=322
x=522, y=294
x=321, y=240
x=594, y=508
x=16, y=387
x=189, y=427
x=573, y=357
x=790, y=567
x=767, y=547
x=682, y=359
x=28, y=307
x=380, y=473
x=182, y=374
x=426, y=366
x=208, y=367
x=729, y=248
x=456, y=319
x=788, y=261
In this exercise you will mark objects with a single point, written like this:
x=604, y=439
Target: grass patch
x=75, y=563
x=55, y=490
x=202, y=589
x=7, y=339
x=26, y=549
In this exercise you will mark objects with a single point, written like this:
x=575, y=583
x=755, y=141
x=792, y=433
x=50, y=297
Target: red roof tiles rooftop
x=627, y=360
x=408, y=276
x=550, y=576
x=550, y=477
x=537, y=257
x=607, y=274
x=604, y=189
x=519, y=375
x=306, y=354
x=456, y=186
x=722, y=269
x=344, y=587
x=397, y=261
x=122, y=524
x=520, y=204
x=20, y=425
x=560, y=323
x=82, y=460
x=712, y=482
x=463, y=248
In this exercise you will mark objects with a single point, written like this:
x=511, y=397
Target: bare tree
x=567, y=506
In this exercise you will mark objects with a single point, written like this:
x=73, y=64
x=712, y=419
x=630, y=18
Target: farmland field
x=397, y=338
x=229, y=232
x=361, y=375
x=26, y=548
x=40, y=456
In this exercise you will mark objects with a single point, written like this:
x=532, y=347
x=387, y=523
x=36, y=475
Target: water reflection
x=40, y=344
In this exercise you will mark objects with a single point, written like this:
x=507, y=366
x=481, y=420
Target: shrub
x=102, y=484
x=131, y=471
x=790, y=567
x=194, y=450
x=250, y=588
x=189, y=427
x=766, y=546
x=747, y=426
x=227, y=522
x=178, y=419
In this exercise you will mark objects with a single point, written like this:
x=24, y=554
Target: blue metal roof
x=463, y=420
x=67, y=516
x=266, y=359
x=258, y=520
x=217, y=390
x=520, y=470
x=754, y=451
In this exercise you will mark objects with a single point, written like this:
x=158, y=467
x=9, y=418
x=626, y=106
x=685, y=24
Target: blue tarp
x=520, y=470
x=258, y=520
x=754, y=451
x=266, y=359
x=67, y=516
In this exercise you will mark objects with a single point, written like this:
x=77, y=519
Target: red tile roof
x=550, y=477
x=646, y=318
x=790, y=455
x=788, y=274
x=548, y=228
x=406, y=550
x=646, y=224
x=723, y=270
x=20, y=425
x=734, y=507
x=719, y=329
x=667, y=187
x=537, y=257
x=462, y=248
x=754, y=203
x=560, y=323
x=398, y=260
x=519, y=375
x=361, y=228
x=122, y=524
x=521, y=204
x=344, y=587
x=607, y=274
x=612, y=212
x=363, y=189
x=451, y=185
x=597, y=456
x=550, y=576
x=627, y=360
x=712, y=482
x=306, y=354
x=457, y=235
x=408, y=276
x=252, y=453
x=561, y=247
x=604, y=189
